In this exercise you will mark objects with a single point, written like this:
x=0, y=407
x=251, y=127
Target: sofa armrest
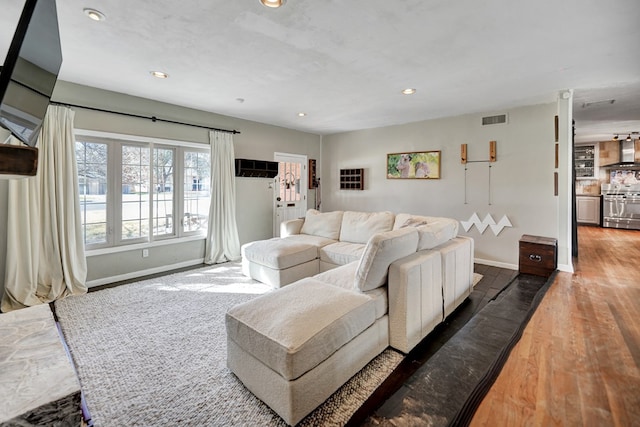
x=457, y=271
x=415, y=298
x=291, y=227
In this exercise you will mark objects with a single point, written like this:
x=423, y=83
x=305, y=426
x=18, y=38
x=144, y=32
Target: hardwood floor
x=578, y=361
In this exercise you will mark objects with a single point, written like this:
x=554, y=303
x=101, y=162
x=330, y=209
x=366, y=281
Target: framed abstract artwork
x=415, y=165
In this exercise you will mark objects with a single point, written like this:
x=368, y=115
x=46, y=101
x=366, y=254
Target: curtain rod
x=152, y=118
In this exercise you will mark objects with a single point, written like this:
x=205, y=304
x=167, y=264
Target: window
x=163, y=169
x=135, y=178
x=132, y=191
x=289, y=174
x=91, y=158
x=197, y=195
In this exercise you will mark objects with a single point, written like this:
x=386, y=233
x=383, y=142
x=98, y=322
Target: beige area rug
x=153, y=353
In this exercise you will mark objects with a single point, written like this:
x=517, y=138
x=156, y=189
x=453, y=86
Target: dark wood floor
x=388, y=402
x=578, y=361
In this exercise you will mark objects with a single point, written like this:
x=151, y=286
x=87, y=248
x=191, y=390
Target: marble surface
x=38, y=385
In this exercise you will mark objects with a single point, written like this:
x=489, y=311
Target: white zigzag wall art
x=488, y=221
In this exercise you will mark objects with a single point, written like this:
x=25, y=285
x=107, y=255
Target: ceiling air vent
x=494, y=120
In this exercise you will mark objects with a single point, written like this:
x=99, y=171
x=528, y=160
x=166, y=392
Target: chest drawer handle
x=536, y=258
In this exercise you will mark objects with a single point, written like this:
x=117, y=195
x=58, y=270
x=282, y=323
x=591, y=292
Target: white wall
x=521, y=181
x=254, y=197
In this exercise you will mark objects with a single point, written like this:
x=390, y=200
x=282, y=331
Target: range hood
x=627, y=156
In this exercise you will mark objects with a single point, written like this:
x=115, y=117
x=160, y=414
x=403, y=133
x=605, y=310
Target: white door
x=290, y=191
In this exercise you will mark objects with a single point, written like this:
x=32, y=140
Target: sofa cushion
x=308, y=239
x=343, y=277
x=295, y=328
x=358, y=227
x=381, y=250
x=323, y=224
x=279, y=253
x=432, y=231
x=341, y=253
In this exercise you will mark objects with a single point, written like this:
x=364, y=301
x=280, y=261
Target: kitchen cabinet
x=588, y=209
x=585, y=161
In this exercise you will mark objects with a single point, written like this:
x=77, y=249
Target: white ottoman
x=294, y=347
x=278, y=262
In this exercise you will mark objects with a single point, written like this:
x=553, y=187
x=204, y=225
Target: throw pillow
x=322, y=224
x=381, y=250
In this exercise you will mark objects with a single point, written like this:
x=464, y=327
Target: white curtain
x=222, y=243
x=45, y=251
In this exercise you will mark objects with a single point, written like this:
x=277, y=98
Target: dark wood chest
x=538, y=255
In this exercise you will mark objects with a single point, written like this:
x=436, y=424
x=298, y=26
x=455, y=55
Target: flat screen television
x=30, y=70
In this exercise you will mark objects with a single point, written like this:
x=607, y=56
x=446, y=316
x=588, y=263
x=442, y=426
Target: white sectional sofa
x=322, y=241
x=375, y=280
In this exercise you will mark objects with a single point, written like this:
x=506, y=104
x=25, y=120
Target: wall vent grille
x=494, y=120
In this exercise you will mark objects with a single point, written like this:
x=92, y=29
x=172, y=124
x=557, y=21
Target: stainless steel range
x=621, y=206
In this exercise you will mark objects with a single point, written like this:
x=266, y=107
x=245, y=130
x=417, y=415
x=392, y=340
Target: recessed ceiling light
x=159, y=74
x=273, y=3
x=409, y=91
x=96, y=15
x=302, y=114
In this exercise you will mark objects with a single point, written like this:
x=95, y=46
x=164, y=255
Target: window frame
x=113, y=200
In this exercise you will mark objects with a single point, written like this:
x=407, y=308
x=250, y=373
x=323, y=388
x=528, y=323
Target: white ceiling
x=344, y=62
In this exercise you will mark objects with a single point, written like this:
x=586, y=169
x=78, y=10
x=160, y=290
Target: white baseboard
x=496, y=264
x=562, y=267
x=566, y=268
x=141, y=273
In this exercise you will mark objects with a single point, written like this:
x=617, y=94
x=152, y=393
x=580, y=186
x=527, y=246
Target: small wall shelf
x=312, y=181
x=352, y=179
x=256, y=168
